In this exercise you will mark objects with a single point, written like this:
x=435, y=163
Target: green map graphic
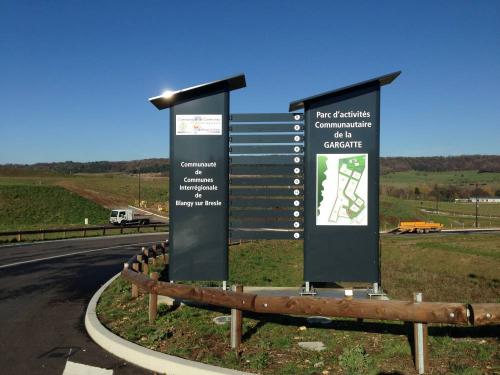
x=340, y=198
x=321, y=170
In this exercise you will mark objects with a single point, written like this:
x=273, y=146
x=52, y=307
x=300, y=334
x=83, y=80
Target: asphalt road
x=44, y=291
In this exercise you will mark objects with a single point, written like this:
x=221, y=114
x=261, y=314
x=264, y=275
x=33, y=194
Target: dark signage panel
x=199, y=178
x=199, y=188
x=341, y=197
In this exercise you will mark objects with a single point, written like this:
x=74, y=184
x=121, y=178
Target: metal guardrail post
x=236, y=322
x=420, y=335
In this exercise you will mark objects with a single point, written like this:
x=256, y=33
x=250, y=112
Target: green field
x=452, y=215
x=468, y=263
x=30, y=201
x=459, y=178
x=112, y=190
x=34, y=207
x=109, y=189
x=452, y=268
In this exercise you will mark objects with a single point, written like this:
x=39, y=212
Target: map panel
x=342, y=189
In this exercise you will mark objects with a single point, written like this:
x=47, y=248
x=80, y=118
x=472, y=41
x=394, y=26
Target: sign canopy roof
x=171, y=98
x=382, y=80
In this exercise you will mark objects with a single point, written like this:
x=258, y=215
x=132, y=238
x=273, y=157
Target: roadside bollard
x=420, y=335
x=153, y=300
x=135, y=288
x=236, y=322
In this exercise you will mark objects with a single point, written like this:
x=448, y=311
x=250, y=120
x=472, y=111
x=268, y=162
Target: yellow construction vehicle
x=419, y=227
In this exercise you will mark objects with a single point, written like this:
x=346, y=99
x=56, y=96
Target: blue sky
x=75, y=75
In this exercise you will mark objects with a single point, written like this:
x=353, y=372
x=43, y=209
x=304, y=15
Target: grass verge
x=35, y=207
x=270, y=342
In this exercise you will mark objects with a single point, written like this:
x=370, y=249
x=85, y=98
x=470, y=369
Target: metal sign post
x=341, y=166
x=199, y=179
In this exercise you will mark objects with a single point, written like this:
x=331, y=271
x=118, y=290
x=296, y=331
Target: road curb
x=140, y=356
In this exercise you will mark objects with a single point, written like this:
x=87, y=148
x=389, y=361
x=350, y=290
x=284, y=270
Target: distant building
x=478, y=199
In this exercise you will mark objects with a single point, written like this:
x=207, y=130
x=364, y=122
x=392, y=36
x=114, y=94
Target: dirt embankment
x=93, y=195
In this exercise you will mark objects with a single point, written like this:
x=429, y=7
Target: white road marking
x=73, y=368
x=74, y=253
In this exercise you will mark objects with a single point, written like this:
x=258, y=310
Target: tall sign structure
x=199, y=178
x=341, y=196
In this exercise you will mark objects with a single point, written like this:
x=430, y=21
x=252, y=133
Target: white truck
x=128, y=216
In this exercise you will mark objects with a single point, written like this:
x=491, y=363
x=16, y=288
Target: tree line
x=158, y=165
x=481, y=163
x=441, y=192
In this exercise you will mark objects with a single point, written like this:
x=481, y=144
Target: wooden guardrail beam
x=425, y=312
x=485, y=313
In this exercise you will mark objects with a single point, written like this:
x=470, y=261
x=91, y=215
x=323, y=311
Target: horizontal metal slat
x=264, y=224
x=268, y=160
x=265, y=213
x=256, y=192
x=267, y=203
x=265, y=235
x=269, y=219
x=265, y=138
x=265, y=149
x=267, y=181
x=265, y=127
x=266, y=117
x=278, y=170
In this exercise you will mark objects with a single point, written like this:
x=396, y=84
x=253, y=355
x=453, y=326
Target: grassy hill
x=33, y=207
x=398, y=201
x=30, y=200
